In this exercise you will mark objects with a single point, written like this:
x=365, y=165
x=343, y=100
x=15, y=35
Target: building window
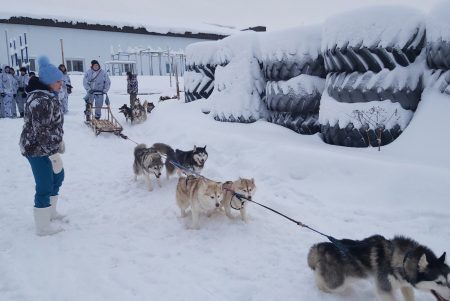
x=32, y=65
x=74, y=65
x=167, y=68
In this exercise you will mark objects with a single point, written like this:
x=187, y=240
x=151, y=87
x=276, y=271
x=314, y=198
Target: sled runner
x=106, y=124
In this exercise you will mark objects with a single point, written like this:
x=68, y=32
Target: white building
x=77, y=43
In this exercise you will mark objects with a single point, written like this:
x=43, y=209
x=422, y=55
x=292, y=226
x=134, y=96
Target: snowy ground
x=126, y=243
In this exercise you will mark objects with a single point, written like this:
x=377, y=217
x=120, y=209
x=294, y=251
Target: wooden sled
x=106, y=124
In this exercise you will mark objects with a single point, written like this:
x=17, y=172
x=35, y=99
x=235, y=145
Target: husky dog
x=139, y=111
x=200, y=194
x=127, y=112
x=147, y=161
x=150, y=107
x=194, y=159
x=245, y=187
x=399, y=263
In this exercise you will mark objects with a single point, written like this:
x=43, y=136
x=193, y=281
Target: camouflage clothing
x=132, y=84
x=43, y=129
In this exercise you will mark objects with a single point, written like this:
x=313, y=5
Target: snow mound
x=438, y=23
x=238, y=90
x=378, y=26
x=202, y=53
x=295, y=44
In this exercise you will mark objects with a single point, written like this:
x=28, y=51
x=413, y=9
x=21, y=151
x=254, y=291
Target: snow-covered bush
x=375, y=61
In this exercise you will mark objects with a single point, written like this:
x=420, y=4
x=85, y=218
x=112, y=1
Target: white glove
x=57, y=163
x=62, y=147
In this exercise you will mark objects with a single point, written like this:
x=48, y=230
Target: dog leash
x=341, y=247
x=123, y=136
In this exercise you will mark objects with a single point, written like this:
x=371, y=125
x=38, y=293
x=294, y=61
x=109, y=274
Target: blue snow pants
x=47, y=182
x=98, y=103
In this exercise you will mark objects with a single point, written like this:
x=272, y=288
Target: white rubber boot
x=42, y=221
x=55, y=214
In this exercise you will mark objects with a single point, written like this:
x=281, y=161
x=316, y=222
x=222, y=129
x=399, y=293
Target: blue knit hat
x=48, y=73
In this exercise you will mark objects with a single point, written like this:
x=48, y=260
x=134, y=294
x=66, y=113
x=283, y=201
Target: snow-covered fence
x=438, y=48
x=201, y=63
x=375, y=61
x=294, y=67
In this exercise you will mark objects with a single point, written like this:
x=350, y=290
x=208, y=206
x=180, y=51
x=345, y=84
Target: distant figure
x=8, y=90
x=96, y=82
x=14, y=100
x=66, y=89
x=132, y=87
x=41, y=142
x=21, y=94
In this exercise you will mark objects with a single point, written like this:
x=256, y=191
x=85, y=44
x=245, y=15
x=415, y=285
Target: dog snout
x=217, y=205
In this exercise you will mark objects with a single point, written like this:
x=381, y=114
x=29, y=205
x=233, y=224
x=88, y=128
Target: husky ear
x=205, y=147
x=195, y=148
x=442, y=258
x=423, y=263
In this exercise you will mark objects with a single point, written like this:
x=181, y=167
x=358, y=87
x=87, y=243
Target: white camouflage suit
x=96, y=84
x=63, y=94
x=8, y=89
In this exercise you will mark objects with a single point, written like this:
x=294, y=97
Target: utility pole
x=177, y=84
x=170, y=71
x=7, y=48
x=62, y=51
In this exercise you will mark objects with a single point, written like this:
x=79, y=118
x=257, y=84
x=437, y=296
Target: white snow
x=377, y=26
x=202, y=53
x=372, y=113
x=300, y=85
x=238, y=87
x=438, y=80
x=438, y=23
x=294, y=44
x=126, y=243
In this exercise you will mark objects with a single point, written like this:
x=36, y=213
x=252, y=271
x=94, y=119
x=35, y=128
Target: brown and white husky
x=199, y=194
x=245, y=187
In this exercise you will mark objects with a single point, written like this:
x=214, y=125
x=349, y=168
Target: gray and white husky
x=194, y=159
x=399, y=263
x=147, y=161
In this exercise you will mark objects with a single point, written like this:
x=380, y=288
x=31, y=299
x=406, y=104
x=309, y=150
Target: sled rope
x=333, y=240
x=341, y=247
x=127, y=138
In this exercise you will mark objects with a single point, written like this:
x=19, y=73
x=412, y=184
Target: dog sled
x=106, y=124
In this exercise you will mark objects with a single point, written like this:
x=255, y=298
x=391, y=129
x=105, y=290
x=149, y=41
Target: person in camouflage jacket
x=41, y=142
x=132, y=87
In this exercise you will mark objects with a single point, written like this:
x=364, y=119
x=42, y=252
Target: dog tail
x=170, y=155
x=138, y=148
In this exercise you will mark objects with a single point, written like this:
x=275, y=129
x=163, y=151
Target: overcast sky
x=275, y=14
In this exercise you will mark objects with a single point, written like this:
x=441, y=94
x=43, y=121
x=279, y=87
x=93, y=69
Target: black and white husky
x=194, y=159
x=399, y=263
x=147, y=161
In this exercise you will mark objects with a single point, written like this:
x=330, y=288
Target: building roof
x=119, y=27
